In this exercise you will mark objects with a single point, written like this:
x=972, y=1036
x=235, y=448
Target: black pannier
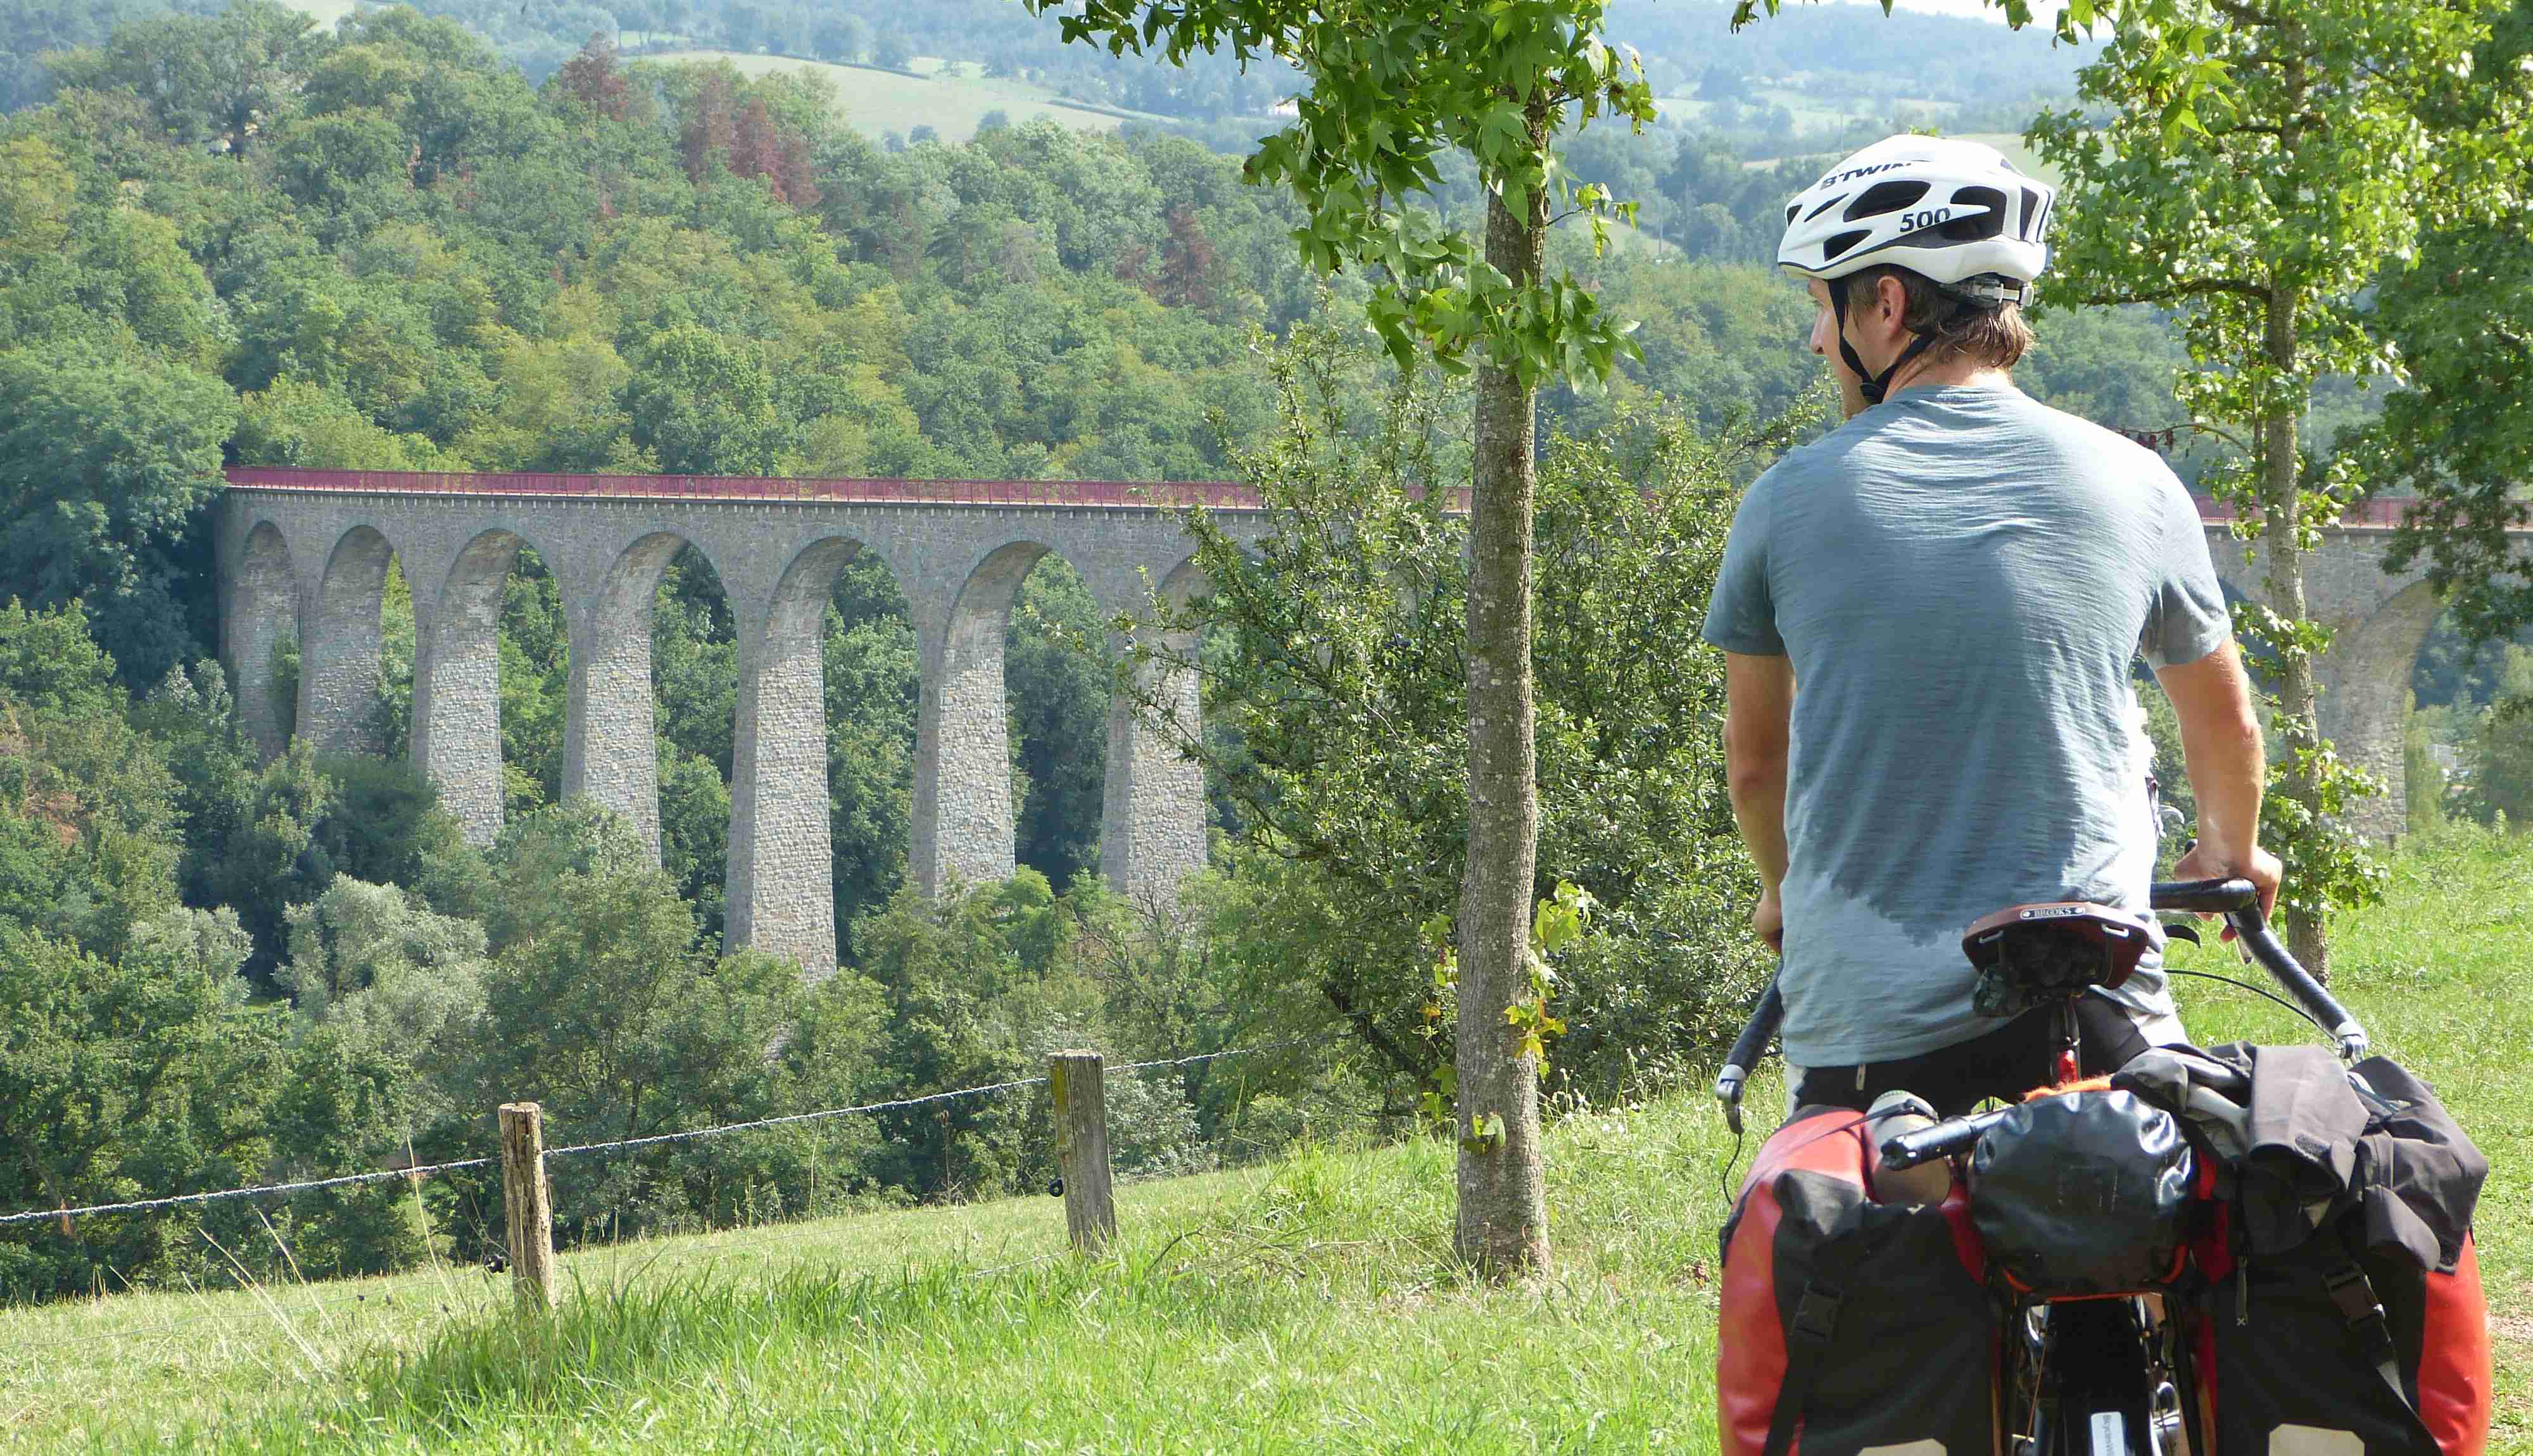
x=2343, y=1314
x=1848, y=1324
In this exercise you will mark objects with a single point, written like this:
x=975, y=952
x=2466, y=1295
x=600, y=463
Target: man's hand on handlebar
x=2260, y=866
x=1768, y=920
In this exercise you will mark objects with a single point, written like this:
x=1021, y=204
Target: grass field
x=951, y=97
x=323, y=11
x=1306, y=1305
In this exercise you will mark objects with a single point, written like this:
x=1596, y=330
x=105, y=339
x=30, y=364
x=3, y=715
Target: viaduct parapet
x=303, y=554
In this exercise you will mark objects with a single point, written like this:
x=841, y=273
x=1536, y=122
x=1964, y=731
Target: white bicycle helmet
x=1956, y=212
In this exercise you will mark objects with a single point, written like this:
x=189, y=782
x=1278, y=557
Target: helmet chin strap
x=1871, y=385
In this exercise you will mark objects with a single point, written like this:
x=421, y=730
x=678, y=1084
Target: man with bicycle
x=1958, y=578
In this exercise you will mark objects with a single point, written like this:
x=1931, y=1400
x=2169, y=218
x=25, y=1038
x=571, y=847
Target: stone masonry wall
x=457, y=685
x=2378, y=624
x=258, y=611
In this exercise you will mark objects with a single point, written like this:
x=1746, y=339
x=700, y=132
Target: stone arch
x=1154, y=809
x=963, y=787
x=1185, y=583
x=456, y=731
x=782, y=852
x=2365, y=680
x=262, y=613
x=610, y=753
x=339, y=709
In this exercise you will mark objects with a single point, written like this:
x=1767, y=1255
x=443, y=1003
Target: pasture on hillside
x=950, y=96
x=1308, y=1305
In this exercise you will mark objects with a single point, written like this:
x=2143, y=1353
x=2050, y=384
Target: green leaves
x=2265, y=177
x=104, y=459
x=1391, y=90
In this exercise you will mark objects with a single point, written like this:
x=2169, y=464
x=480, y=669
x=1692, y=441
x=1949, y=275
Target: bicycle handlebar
x=1944, y=1140
x=2240, y=904
x=1747, y=1050
x=2206, y=897
x=2238, y=901
x=2325, y=1009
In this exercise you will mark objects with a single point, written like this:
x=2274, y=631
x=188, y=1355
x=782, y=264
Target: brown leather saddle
x=2031, y=955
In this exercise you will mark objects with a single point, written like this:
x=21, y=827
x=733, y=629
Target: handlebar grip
x=1751, y=1046
x=1942, y=1140
x=1747, y=1050
x=2263, y=946
x=2204, y=897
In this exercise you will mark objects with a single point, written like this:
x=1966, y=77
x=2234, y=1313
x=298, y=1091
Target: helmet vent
x=1884, y=196
x=2031, y=205
x=1831, y=249
x=1824, y=207
x=1987, y=222
x=1791, y=210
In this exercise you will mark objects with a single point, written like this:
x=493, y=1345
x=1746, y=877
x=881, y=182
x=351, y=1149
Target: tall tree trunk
x=2298, y=698
x=1503, y=1209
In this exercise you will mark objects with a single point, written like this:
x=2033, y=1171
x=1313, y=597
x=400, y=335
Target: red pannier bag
x=2344, y=1315
x=1850, y=1324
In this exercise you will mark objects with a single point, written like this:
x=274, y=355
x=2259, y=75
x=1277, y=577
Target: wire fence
x=381, y=1174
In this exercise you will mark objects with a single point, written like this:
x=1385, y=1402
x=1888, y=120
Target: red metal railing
x=1218, y=494
x=2370, y=515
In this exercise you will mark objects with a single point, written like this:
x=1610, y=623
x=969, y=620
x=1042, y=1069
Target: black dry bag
x=2082, y=1193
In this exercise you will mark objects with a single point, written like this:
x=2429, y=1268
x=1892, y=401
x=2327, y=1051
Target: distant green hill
x=2020, y=155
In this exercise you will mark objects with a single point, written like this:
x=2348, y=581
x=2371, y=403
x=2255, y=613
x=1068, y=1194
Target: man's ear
x=1891, y=296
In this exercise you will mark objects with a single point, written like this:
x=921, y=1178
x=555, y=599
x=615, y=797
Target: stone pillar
x=782, y=894
x=458, y=684
x=338, y=653
x=2365, y=680
x=1151, y=825
x=963, y=756
x=608, y=752
x=260, y=613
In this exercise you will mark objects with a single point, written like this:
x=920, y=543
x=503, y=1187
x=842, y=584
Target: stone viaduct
x=303, y=554
x=2378, y=624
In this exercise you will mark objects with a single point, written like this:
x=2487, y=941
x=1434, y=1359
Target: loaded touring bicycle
x=2263, y=1250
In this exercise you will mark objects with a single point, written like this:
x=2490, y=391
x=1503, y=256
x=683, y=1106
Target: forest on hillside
x=232, y=238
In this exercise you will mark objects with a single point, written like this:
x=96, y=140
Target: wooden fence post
x=1079, y=1081
x=530, y=1211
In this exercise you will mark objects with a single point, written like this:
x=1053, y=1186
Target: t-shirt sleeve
x=2185, y=616
x=1741, y=616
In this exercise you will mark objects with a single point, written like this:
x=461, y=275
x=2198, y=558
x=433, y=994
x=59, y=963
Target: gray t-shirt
x=1962, y=576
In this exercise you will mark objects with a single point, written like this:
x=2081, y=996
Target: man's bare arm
x=1758, y=717
x=2220, y=741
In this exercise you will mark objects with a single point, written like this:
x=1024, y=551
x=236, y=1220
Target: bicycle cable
x=1730, y=1164
x=2209, y=975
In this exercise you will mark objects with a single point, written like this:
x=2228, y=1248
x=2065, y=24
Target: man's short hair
x=1994, y=337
